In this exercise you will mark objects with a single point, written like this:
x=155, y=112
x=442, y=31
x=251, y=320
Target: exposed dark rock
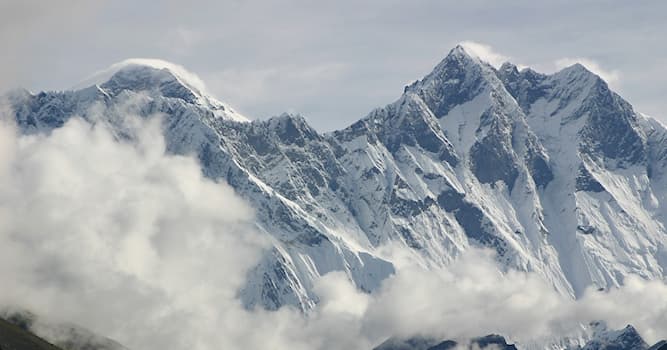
x=585, y=229
x=612, y=129
x=492, y=159
x=526, y=86
x=471, y=220
x=586, y=182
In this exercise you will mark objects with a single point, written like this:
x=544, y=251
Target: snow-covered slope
x=556, y=173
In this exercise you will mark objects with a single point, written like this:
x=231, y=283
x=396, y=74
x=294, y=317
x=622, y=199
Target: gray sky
x=332, y=61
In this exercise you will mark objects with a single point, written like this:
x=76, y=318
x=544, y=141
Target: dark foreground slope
x=63, y=336
x=13, y=337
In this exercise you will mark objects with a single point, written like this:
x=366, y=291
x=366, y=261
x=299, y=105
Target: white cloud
x=612, y=77
x=485, y=53
x=472, y=297
x=119, y=237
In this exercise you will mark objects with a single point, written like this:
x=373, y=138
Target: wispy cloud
x=485, y=53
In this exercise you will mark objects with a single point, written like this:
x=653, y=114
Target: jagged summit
x=460, y=51
x=459, y=57
x=463, y=57
x=457, y=79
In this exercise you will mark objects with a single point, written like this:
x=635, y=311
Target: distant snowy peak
x=161, y=77
x=626, y=338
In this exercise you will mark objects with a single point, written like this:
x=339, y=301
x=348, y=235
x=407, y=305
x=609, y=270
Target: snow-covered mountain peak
x=604, y=338
x=463, y=54
x=457, y=79
x=459, y=51
x=459, y=58
x=145, y=78
x=578, y=69
x=159, y=77
x=151, y=67
x=577, y=74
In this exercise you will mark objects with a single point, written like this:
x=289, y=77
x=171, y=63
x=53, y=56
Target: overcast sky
x=332, y=61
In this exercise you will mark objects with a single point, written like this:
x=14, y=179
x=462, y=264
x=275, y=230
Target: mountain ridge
x=523, y=163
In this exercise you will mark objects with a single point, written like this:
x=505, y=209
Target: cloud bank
x=134, y=244
x=118, y=236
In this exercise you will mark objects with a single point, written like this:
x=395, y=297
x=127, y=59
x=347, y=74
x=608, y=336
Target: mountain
x=556, y=173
